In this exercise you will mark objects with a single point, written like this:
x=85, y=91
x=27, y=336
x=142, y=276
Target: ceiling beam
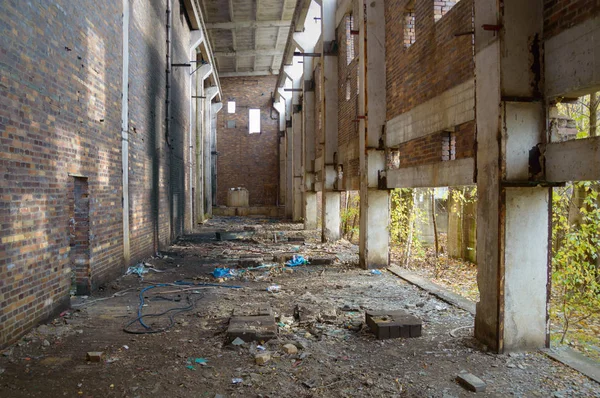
x=247, y=53
x=283, y=7
x=255, y=73
x=247, y=24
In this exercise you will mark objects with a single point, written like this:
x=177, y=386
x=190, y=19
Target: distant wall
x=248, y=160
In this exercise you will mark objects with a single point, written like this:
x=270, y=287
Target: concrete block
x=95, y=356
x=290, y=349
x=262, y=358
x=393, y=324
x=323, y=260
x=252, y=328
x=470, y=382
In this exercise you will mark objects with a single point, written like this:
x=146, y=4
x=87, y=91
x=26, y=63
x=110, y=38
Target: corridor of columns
x=209, y=197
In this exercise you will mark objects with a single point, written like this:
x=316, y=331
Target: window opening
x=254, y=121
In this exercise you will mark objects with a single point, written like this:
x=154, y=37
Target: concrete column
x=297, y=164
x=209, y=94
x=331, y=199
x=215, y=108
x=308, y=145
x=289, y=173
x=199, y=126
x=513, y=219
x=374, y=203
x=125, y=134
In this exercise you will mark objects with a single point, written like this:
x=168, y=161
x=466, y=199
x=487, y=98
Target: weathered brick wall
x=59, y=116
x=430, y=80
x=348, y=154
x=60, y=129
x=436, y=61
x=563, y=14
x=431, y=148
x=248, y=160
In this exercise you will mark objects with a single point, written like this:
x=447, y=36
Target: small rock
x=511, y=365
x=420, y=304
x=46, y=343
x=262, y=358
x=238, y=341
x=471, y=382
x=290, y=349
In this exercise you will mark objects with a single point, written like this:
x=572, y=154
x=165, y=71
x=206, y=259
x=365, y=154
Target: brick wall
x=248, y=160
x=435, y=62
x=433, y=147
x=348, y=154
x=430, y=82
x=60, y=130
x=562, y=14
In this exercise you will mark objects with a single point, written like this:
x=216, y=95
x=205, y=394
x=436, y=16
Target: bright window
x=230, y=106
x=254, y=123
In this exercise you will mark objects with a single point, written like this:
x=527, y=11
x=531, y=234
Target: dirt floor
x=337, y=355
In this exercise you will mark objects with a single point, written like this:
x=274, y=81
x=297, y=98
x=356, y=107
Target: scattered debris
x=375, y=272
x=470, y=382
x=238, y=342
x=274, y=289
x=237, y=380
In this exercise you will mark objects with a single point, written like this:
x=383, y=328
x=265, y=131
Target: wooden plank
x=442, y=174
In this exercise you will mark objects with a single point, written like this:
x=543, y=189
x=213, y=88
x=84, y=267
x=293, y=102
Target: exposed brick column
x=513, y=215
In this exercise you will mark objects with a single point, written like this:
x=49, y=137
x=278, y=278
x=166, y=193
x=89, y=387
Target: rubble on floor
x=307, y=338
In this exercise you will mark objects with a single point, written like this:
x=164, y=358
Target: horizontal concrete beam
x=254, y=73
x=575, y=160
x=451, y=108
x=248, y=53
x=441, y=174
x=248, y=24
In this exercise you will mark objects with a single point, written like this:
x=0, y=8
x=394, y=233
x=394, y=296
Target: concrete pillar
x=297, y=166
x=308, y=145
x=199, y=126
x=331, y=199
x=214, y=109
x=289, y=173
x=209, y=94
x=374, y=203
x=513, y=215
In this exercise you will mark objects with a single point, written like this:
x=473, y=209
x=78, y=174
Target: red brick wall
x=60, y=117
x=562, y=14
x=248, y=160
x=348, y=98
x=436, y=61
x=429, y=149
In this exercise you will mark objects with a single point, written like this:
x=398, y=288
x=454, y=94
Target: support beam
x=247, y=24
x=442, y=174
x=248, y=53
x=331, y=199
x=298, y=165
x=237, y=74
x=513, y=224
x=576, y=160
x=209, y=93
x=374, y=203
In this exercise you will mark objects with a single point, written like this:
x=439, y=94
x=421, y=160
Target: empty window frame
x=230, y=106
x=440, y=8
x=254, y=121
x=409, y=26
x=349, y=39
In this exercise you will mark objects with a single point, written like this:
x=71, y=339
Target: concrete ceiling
x=247, y=37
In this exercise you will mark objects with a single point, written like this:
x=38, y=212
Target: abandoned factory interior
x=299, y=198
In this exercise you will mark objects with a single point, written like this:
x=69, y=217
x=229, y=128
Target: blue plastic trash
x=296, y=261
x=221, y=272
x=375, y=272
